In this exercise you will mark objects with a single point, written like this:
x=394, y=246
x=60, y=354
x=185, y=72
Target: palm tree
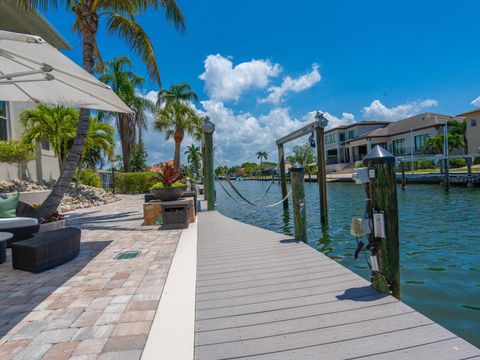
x=262, y=155
x=119, y=18
x=302, y=155
x=100, y=140
x=177, y=92
x=53, y=125
x=194, y=157
x=176, y=119
x=124, y=82
x=455, y=141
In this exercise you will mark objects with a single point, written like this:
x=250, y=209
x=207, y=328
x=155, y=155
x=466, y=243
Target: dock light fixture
x=208, y=126
x=322, y=120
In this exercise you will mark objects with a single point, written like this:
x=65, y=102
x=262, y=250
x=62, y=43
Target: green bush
x=424, y=164
x=359, y=165
x=134, y=182
x=13, y=152
x=90, y=178
x=457, y=163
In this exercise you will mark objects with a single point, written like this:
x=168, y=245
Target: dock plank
x=261, y=295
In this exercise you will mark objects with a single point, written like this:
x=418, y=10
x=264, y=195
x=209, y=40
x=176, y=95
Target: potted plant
x=170, y=183
x=53, y=222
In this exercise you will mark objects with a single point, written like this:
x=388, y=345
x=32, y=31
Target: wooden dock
x=261, y=295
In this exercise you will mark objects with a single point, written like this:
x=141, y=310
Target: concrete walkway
x=94, y=307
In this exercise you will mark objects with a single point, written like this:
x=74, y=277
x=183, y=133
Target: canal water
x=439, y=241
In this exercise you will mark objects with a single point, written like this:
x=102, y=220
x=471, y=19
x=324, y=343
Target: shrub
x=457, y=163
x=90, y=178
x=12, y=152
x=159, y=185
x=424, y=164
x=134, y=182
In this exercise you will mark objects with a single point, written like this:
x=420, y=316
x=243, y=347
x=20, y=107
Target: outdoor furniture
x=4, y=237
x=175, y=214
x=153, y=210
x=46, y=250
x=23, y=226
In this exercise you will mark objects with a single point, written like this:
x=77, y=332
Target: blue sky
x=353, y=59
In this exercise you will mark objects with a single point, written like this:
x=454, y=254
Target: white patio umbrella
x=31, y=70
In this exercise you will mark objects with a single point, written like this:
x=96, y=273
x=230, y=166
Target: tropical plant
x=119, y=18
x=302, y=154
x=459, y=128
x=117, y=73
x=99, y=142
x=14, y=152
x=168, y=175
x=177, y=119
x=90, y=178
x=53, y=125
x=194, y=157
x=138, y=162
x=177, y=92
x=436, y=143
x=262, y=155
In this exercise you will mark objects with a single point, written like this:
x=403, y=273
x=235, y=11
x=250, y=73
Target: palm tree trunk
x=79, y=171
x=51, y=204
x=178, y=137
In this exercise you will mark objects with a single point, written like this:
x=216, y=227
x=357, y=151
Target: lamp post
x=322, y=123
x=209, y=187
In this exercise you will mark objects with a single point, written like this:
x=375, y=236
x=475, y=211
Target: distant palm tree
x=177, y=119
x=119, y=18
x=177, y=92
x=262, y=155
x=125, y=83
x=194, y=157
x=436, y=142
x=55, y=126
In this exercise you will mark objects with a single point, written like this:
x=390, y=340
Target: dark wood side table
x=4, y=237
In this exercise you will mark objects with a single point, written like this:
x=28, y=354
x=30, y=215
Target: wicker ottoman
x=46, y=250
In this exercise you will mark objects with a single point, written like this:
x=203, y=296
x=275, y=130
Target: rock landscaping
x=75, y=198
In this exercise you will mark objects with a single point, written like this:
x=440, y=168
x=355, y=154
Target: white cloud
x=223, y=81
x=378, y=111
x=306, y=81
x=476, y=102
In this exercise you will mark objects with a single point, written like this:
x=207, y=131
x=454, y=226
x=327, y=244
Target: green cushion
x=8, y=205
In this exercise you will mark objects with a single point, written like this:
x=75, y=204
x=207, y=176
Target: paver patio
x=94, y=307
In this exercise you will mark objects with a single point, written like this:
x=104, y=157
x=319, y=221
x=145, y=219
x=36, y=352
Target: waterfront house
x=472, y=130
x=45, y=166
x=402, y=138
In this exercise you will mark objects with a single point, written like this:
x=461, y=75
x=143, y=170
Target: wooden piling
x=283, y=176
x=209, y=185
x=297, y=179
x=383, y=194
x=469, y=166
x=321, y=174
x=404, y=179
x=447, y=175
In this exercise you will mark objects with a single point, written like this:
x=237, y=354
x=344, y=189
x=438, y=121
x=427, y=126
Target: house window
x=420, y=142
x=383, y=145
x=3, y=121
x=473, y=122
x=351, y=134
x=45, y=144
x=342, y=137
x=330, y=139
x=398, y=147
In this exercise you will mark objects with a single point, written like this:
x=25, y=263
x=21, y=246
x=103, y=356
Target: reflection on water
x=439, y=239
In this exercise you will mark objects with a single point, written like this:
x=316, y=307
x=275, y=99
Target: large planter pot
x=169, y=193
x=54, y=225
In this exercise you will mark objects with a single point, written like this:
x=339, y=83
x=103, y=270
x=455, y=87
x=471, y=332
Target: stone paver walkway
x=94, y=307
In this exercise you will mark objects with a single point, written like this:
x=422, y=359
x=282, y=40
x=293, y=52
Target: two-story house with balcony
x=472, y=130
x=336, y=140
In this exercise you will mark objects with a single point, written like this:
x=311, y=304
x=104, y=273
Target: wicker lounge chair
x=23, y=226
x=46, y=250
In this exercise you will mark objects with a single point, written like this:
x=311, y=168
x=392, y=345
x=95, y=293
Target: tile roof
x=470, y=112
x=365, y=122
x=416, y=122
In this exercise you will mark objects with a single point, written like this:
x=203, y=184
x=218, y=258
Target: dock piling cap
x=296, y=167
x=378, y=155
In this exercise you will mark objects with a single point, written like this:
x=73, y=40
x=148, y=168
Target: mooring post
x=447, y=175
x=283, y=176
x=384, y=234
x=404, y=179
x=469, y=166
x=297, y=179
x=321, y=166
x=446, y=154
x=209, y=186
